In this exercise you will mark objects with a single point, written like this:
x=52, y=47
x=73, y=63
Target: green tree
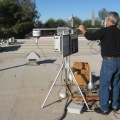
x=8, y=15
x=29, y=7
x=88, y=25
x=50, y=23
x=61, y=23
x=38, y=24
x=102, y=15
x=76, y=22
x=15, y=19
x=98, y=23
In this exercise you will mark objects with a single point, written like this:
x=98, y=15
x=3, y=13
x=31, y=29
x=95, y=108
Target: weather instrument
x=69, y=46
x=36, y=33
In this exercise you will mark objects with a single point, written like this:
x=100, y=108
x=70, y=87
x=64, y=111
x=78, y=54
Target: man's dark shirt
x=109, y=38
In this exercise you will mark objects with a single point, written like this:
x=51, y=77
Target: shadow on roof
x=10, y=48
x=13, y=67
x=46, y=61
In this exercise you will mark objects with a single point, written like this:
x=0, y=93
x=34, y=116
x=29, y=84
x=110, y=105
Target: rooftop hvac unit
x=12, y=41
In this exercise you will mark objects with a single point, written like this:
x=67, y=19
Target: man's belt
x=113, y=57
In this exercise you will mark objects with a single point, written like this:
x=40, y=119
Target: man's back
x=110, y=40
x=110, y=43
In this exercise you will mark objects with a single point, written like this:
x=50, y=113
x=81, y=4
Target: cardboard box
x=81, y=71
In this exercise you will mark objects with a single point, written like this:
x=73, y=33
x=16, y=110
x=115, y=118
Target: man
x=109, y=37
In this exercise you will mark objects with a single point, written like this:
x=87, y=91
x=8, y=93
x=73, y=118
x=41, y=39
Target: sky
x=64, y=9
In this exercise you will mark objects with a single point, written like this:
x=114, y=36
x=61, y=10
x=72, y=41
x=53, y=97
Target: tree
x=30, y=9
x=97, y=23
x=61, y=23
x=50, y=23
x=38, y=24
x=102, y=15
x=8, y=15
x=16, y=1
x=87, y=24
x=76, y=22
x=15, y=19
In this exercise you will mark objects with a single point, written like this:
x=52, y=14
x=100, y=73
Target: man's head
x=112, y=19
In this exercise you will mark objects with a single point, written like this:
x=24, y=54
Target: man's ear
x=110, y=20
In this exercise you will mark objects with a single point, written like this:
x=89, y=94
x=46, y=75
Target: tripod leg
x=52, y=85
x=79, y=89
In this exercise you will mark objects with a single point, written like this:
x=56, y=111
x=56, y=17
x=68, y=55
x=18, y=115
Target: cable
x=91, y=47
x=61, y=74
x=65, y=110
x=91, y=43
x=42, y=52
x=66, y=104
x=45, y=56
x=115, y=115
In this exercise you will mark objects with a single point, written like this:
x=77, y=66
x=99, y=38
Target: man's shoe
x=99, y=111
x=115, y=110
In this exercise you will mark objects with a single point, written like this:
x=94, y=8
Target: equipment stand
x=36, y=40
x=66, y=66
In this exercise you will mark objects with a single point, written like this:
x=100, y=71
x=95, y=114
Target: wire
x=91, y=43
x=91, y=47
x=45, y=56
x=65, y=110
x=42, y=52
x=56, y=64
x=115, y=115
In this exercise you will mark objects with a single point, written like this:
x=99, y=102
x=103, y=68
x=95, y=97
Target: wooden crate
x=81, y=71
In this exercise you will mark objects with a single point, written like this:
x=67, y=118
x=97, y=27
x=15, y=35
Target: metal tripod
x=66, y=66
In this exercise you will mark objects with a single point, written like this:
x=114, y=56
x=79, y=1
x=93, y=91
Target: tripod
x=66, y=66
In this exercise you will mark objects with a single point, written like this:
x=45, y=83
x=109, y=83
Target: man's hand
x=81, y=27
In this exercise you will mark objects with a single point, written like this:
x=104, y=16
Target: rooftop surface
x=23, y=88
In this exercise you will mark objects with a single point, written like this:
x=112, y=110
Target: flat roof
x=23, y=88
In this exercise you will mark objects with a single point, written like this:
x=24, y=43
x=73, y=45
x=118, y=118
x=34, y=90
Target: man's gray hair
x=114, y=16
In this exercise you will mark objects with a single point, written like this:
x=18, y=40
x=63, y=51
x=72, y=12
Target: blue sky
x=63, y=9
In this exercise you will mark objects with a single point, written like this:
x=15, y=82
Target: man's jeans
x=109, y=83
